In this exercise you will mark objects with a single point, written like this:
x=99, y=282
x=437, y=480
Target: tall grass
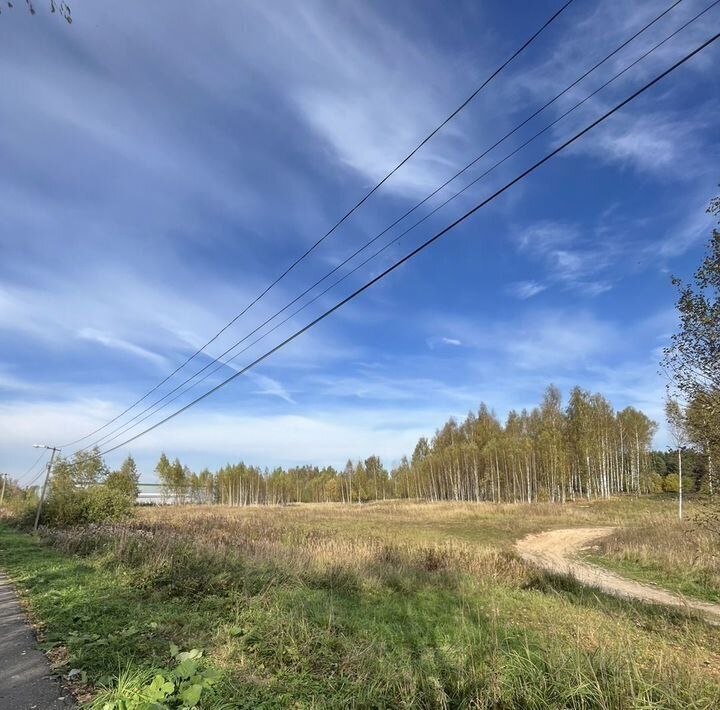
x=401, y=605
x=676, y=553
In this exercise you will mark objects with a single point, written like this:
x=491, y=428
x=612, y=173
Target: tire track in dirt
x=556, y=551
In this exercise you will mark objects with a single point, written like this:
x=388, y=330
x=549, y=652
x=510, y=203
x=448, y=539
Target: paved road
x=556, y=551
x=25, y=680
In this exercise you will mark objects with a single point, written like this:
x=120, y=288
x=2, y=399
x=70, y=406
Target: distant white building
x=152, y=494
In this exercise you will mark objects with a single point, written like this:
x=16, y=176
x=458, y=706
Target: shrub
x=20, y=511
x=653, y=483
x=68, y=506
x=671, y=483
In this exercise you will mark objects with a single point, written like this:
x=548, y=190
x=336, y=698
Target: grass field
x=383, y=605
x=664, y=550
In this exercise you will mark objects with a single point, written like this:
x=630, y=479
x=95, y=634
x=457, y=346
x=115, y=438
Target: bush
x=653, y=483
x=671, y=483
x=20, y=511
x=68, y=506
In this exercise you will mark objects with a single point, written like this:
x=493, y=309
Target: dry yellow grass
x=679, y=554
x=359, y=590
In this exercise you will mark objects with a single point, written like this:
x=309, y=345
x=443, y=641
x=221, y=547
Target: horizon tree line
x=550, y=453
x=554, y=453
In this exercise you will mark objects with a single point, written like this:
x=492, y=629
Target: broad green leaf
x=193, y=653
x=186, y=669
x=191, y=695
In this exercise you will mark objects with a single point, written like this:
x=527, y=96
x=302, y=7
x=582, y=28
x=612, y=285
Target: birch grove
x=552, y=453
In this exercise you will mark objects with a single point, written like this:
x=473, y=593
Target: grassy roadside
x=693, y=584
x=679, y=555
x=295, y=616
x=88, y=618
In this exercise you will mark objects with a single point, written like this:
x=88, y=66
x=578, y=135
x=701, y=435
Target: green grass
x=679, y=555
x=327, y=608
x=688, y=582
x=92, y=611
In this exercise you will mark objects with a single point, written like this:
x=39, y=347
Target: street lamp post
x=47, y=477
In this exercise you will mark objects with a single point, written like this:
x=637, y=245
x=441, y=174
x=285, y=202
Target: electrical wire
x=327, y=234
x=37, y=475
x=424, y=245
x=42, y=454
x=116, y=433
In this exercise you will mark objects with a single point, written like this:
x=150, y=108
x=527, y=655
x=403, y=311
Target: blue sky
x=161, y=164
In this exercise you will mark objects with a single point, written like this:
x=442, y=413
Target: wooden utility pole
x=47, y=478
x=2, y=493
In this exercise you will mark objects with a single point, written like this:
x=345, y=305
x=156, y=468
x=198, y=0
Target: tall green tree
x=693, y=357
x=163, y=469
x=125, y=480
x=85, y=468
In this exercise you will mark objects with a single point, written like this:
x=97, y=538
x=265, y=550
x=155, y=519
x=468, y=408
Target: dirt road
x=556, y=551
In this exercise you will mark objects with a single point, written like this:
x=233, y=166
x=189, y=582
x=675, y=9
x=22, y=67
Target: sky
x=162, y=163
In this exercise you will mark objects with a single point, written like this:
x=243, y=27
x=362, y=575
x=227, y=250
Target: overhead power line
x=168, y=398
x=40, y=472
x=42, y=455
x=337, y=224
x=424, y=245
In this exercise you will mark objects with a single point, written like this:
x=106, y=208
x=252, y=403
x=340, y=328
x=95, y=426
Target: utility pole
x=680, y=482
x=47, y=478
x=2, y=494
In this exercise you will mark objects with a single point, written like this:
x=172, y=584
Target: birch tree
x=678, y=431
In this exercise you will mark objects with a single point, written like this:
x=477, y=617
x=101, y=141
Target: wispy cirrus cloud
x=691, y=228
x=440, y=340
x=269, y=386
x=570, y=258
x=208, y=148
x=543, y=339
x=110, y=341
x=526, y=289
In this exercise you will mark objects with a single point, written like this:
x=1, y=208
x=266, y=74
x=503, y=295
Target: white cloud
x=370, y=91
x=207, y=438
x=545, y=340
x=11, y=383
x=269, y=386
x=374, y=385
x=110, y=341
x=649, y=136
x=546, y=237
x=653, y=143
x=690, y=230
x=526, y=289
x=553, y=341
x=440, y=340
x=367, y=91
x=570, y=258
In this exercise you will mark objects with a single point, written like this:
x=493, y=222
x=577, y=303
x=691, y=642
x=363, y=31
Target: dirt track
x=556, y=551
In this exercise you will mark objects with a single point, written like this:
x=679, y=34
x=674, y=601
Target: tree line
x=550, y=453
